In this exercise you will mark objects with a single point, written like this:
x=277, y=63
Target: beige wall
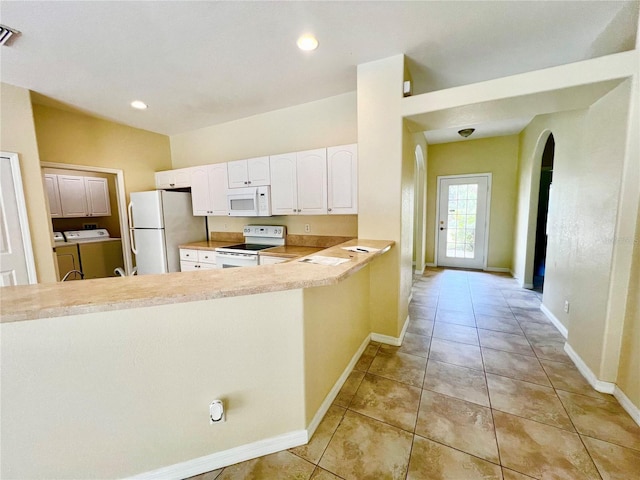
x=629, y=374
x=591, y=154
x=113, y=394
x=340, y=225
x=78, y=139
x=497, y=155
x=17, y=135
x=589, y=218
x=336, y=323
x=331, y=121
x=380, y=158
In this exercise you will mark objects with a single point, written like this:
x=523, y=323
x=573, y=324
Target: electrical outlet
x=566, y=306
x=307, y=228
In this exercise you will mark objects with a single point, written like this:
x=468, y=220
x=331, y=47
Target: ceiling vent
x=7, y=35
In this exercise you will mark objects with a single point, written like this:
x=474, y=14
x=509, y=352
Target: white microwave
x=249, y=202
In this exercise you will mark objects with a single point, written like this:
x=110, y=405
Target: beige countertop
x=206, y=245
x=30, y=302
x=290, y=251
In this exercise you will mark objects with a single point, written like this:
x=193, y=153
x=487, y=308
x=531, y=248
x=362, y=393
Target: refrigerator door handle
x=130, y=212
x=133, y=243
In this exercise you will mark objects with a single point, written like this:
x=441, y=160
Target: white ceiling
x=202, y=63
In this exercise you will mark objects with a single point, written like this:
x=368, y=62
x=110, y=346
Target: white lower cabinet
x=191, y=260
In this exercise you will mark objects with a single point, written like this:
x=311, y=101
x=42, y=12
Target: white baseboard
x=226, y=457
x=599, y=385
x=604, y=387
x=520, y=281
x=333, y=393
x=430, y=265
x=558, y=324
x=388, y=340
x=632, y=410
x=497, y=269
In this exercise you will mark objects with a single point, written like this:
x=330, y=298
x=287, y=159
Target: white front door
x=462, y=220
x=16, y=257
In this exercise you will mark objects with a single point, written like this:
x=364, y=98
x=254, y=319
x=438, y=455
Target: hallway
x=480, y=389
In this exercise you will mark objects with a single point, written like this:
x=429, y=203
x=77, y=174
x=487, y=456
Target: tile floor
x=480, y=389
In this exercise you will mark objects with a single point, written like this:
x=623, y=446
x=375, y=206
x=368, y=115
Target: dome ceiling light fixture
x=465, y=132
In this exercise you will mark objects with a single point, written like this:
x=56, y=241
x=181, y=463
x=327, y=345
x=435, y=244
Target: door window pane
x=461, y=220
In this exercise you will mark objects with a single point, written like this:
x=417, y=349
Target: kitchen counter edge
x=50, y=300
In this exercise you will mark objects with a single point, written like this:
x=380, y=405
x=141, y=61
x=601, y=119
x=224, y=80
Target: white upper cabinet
x=284, y=184
x=342, y=184
x=79, y=196
x=253, y=172
x=97, y=192
x=312, y=182
x=299, y=183
x=53, y=193
x=169, y=179
x=73, y=197
x=209, y=190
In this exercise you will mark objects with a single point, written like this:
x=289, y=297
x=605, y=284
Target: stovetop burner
x=252, y=247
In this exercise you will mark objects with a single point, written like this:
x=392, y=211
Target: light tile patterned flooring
x=480, y=389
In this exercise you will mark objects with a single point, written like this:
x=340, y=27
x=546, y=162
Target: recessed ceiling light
x=139, y=104
x=307, y=42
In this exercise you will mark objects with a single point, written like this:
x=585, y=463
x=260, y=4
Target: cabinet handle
x=249, y=182
x=246, y=183
x=172, y=184
x=329, y=209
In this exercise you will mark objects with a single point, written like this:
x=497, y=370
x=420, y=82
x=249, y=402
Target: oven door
x=231, y=260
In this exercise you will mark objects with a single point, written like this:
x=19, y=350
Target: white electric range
x=257, y=237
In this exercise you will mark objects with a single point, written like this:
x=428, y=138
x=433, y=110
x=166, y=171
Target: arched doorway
x=546, y=179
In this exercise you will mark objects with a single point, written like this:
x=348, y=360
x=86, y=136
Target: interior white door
x=16, y=256
x=462, y=219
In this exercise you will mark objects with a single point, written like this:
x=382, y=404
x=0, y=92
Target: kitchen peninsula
x=128, y=366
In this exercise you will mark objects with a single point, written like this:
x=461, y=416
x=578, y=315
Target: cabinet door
x=164, y=179
x=258, y=171
x=284, y=193
x=182, y=178
x=53, y=193
x=312, y=182
x=200, y=200
x=342, y=186
x=169, y=179
x=73, y=198
x=97, y=192
x=237, y=173
x=217, y=177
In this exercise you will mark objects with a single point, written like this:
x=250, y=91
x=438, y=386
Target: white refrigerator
x=159, y=221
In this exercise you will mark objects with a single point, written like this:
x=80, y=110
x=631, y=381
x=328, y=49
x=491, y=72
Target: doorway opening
x=118, y=223
x=546, y=179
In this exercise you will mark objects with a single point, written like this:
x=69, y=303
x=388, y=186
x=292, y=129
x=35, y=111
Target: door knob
x=442, y=228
